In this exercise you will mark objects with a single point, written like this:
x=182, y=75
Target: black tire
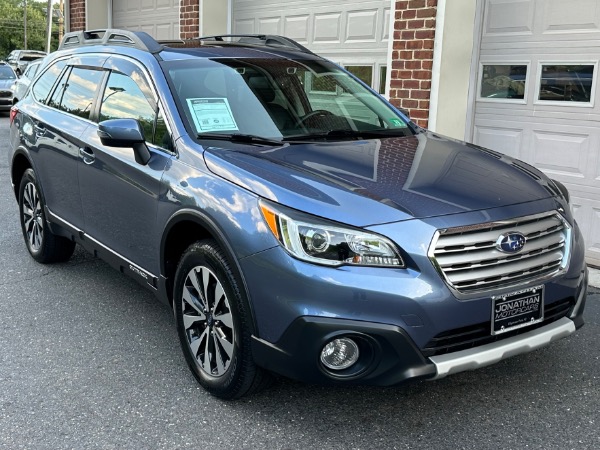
x=214, y=323
x=44, y=246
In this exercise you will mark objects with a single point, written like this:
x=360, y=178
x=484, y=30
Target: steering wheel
x=317, y=113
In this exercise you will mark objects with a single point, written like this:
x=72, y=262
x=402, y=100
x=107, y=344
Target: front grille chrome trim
x=469, y=262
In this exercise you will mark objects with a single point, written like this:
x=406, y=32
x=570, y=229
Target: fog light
x=339, y=354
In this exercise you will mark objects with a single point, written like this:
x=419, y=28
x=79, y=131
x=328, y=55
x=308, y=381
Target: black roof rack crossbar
x=137, y=39
x=269, y=40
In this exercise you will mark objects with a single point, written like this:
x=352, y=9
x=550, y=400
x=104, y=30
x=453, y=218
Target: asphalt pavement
x=88, y=359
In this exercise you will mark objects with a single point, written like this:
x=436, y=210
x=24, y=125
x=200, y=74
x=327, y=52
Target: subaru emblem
x=512, y=242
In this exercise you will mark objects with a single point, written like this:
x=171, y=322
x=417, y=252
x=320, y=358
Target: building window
x=566, y=83
x=503, y=81
x=363, y=73
x=382, y=79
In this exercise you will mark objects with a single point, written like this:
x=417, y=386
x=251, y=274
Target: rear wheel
x=214, y=324
x=43, y=245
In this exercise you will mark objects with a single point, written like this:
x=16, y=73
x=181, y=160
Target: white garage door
x=353, y=33
x=537, y=96
x=158, y=18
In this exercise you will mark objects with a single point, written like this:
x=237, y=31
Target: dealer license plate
x=517, y=309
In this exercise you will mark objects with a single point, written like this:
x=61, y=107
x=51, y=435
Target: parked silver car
x=19, y=59
x=20, y=85
x=7, y=78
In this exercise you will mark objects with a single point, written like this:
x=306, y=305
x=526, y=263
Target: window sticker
x=396, y=122
x=212, y=114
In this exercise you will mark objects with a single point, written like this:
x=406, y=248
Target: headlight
x=315, y=240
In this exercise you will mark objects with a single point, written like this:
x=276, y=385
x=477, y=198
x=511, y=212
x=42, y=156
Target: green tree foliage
x=12, y=26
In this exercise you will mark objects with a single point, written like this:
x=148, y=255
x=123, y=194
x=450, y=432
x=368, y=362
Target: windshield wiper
x=239, y=137
x=352, y=134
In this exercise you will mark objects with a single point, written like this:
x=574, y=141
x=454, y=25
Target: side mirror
x=125, y=133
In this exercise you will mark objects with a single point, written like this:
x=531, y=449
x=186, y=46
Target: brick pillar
x=77, y=15
x=189, y=19
x=412, y=57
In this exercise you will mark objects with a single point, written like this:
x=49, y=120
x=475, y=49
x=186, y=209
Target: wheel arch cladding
x=183, y=229
x=20, y=164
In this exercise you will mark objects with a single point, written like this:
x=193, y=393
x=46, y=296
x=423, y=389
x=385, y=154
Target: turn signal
x=13, y=114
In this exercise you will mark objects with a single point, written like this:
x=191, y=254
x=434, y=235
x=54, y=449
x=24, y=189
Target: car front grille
x=5, y=94
x=480, y=334
x=470, y=261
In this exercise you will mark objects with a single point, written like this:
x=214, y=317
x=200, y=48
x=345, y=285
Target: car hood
x=381, y=180
x=6, y=84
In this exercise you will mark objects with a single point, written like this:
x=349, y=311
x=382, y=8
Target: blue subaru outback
x=294, y=220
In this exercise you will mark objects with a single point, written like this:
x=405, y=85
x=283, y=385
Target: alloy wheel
x=32, y=217
x=208, y=321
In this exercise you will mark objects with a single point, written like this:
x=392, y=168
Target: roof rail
x=138, y=39
x=269, y=40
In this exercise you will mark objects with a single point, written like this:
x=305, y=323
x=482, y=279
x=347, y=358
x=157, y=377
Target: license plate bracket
x=517, y=310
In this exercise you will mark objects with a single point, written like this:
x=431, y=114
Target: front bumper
x=389, y=356
x=6, y=104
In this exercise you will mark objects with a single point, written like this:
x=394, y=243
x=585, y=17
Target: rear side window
x=76, y=94
x=44, y=84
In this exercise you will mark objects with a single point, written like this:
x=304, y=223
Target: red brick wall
x=189, y=19
x=77, y=15
x=412, y=57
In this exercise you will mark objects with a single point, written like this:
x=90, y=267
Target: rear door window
x=76, y=94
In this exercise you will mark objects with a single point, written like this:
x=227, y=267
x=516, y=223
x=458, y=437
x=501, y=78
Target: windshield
x=277, y=99
x=6, y=73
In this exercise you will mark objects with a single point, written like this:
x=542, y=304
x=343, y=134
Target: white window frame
x=517, y=101
x=538, y=83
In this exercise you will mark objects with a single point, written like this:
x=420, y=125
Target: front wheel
x=214, y=323
x=43, y=245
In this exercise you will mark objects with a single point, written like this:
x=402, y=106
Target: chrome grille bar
x=469, y=260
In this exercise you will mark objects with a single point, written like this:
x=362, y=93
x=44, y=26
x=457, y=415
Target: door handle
x=39, y=129
x=87, y=154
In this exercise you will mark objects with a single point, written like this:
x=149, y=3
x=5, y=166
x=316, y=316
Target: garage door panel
x=297, y=28
x=566, y=17
x=269, y=25
x=159, y=18
x=361, y=26
x=561, y=153
x=509, y=17
x=385, y=26
x=244, y=26
x=328, y=28
x=500, y=139
x=587, y=214
x=593, y=241
x=323, y=25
